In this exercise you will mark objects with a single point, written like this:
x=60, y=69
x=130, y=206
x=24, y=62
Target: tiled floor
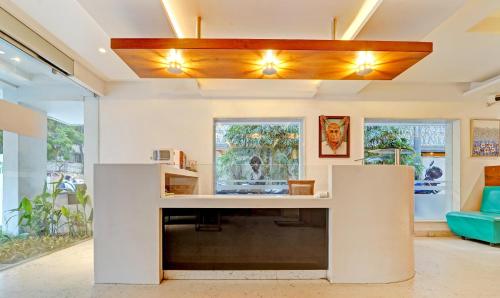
x=446, y=267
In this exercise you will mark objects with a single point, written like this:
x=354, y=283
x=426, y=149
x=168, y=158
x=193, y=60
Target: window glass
x=425, y=145
x=257, y=156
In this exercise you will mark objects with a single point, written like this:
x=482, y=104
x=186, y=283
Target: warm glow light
x=364, y=63
x=102, y=50
x=172, y=19
x=174, y=61
x=17, y=59
x=364, y=14
x=269, y=63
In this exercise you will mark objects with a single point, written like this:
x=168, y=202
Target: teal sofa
x=481, y=225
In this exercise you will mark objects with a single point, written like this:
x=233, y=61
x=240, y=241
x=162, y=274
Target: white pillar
x=10, y=181
x=91, y=141
x=24, y=170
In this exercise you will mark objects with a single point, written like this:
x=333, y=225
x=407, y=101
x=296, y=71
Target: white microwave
x=172, y=157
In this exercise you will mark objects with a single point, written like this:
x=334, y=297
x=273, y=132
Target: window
x=427, y=145
x=257, y=156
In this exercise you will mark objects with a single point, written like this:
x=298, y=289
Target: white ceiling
x=129, y=18
x=460, y=55
x=290, y=19
x=408, y=20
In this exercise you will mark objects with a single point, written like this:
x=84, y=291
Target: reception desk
x=361, y=233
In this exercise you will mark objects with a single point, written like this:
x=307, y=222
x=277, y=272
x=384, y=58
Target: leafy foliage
x=41, y=217
x=61, y=138
x=389, y=137
x=276, y=144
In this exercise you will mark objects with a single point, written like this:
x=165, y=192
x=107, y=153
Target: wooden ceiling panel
x=241, y=58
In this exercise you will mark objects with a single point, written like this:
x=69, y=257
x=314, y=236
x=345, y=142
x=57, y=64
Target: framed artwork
x=485, y=137
x=334, y=136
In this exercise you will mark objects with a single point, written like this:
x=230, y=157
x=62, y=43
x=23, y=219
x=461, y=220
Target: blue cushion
x=491, y=199
x=483, y=226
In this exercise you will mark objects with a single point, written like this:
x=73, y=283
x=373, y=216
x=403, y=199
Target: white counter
x=370, y=222
x=243, y=201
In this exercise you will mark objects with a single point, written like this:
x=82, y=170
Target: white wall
x=131, y=127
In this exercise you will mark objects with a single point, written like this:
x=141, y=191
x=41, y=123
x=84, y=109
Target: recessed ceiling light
x=2, y=52
x=102, y=50
x=16, y=59
x=174, y=61
x=270, y=62
x=364, y=63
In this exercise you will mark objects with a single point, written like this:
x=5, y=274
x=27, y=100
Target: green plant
x=41, y=216
x=84, y=199
x=78, y=221
x=389, y=137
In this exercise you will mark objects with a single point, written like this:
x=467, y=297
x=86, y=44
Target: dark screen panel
x=245, y=239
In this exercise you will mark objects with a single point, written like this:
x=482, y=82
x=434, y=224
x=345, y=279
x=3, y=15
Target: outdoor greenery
x=389, y=137
x=43, y=226
x=61, y=138
x=276, y=144
x=41, y=217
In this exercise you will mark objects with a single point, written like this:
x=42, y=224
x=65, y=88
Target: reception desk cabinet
x=361, y=233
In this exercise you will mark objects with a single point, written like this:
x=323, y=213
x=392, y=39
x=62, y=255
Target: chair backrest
x=491, y=199
x=301, y=187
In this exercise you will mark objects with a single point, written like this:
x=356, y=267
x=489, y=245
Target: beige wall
x=21, y=120
x=131, y=128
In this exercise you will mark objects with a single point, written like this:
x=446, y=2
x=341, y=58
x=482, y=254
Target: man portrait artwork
x=334, y=136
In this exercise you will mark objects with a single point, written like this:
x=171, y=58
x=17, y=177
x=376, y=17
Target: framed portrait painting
x=485, y=137
x=334, y=136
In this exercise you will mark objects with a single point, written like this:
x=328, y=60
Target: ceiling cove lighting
x=171, y=18
x=270, y=63
x=254, y=59
x=174, y=61
x=367, y=10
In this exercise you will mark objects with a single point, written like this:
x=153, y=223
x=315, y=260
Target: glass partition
x=44, y=201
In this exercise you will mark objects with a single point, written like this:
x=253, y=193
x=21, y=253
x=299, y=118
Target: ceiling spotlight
x=269, y=63
x=174, y=61
x=2, y=52
x=364, y=63
x=102, y=50
x=16, y=59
